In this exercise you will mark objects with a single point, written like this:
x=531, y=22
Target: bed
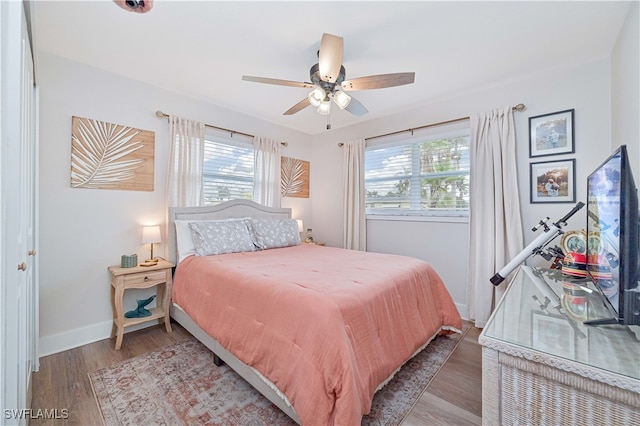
x=316, y=330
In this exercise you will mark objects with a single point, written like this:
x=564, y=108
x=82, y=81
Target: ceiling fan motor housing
x=314, y=74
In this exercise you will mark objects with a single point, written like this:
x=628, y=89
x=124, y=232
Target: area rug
x=180, y=385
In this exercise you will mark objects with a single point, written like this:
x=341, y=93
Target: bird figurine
x=140, y=311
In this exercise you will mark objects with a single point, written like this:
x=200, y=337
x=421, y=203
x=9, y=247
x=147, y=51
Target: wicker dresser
x=541, y=365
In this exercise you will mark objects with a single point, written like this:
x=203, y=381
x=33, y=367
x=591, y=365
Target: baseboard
x=463, y=310
x=49, y=345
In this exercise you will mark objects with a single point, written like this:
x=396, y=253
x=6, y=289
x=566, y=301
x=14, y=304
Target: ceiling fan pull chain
x=329, y=120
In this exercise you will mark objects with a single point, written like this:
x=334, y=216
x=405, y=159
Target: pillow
x=274, y=233
x=221, y=236
x=184, y=241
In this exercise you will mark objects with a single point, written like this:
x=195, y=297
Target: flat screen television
x=612, y=238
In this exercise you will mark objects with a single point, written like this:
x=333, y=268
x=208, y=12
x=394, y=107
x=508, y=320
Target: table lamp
x=151, y=235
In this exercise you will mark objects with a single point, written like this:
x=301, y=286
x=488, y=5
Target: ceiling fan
x=328, y=81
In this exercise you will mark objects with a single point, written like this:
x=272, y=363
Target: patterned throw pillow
x=221, y=236
x=274, y=233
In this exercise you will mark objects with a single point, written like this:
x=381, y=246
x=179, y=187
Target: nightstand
x=158, y=276
x=315, y=244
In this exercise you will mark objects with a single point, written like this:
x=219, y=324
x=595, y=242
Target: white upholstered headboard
x=226, y=210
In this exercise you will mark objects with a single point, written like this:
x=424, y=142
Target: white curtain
x=266, y=180
x=355, y=225
x=186, y=155
x=495, y=221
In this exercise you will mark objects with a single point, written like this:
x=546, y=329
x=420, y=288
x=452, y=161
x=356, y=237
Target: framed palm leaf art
x=294, y=177
x=111, y=156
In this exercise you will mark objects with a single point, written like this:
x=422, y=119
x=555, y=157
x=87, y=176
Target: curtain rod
x=519, y=107
x=161, y=114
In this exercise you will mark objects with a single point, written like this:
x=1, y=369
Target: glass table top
x=544, y=310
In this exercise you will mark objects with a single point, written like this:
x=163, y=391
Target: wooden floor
x=454, y=396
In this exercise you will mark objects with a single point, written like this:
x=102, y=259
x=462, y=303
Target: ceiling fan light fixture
x=341, y=99
x=327, y=80
x=324, y=108
x=316, y=96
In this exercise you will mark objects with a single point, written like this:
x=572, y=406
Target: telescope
x=536, y=246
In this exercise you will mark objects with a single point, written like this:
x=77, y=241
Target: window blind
x=227, y=170
x=419, y=175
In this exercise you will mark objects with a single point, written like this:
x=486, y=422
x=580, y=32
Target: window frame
x=413, y=140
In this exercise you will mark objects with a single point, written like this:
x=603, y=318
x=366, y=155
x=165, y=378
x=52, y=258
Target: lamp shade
x=341, y=99
x=324, y=108
x=151, y=234
x=316, y=96
x=300, y=225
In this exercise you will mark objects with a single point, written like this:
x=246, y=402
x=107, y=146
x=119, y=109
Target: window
x=227, y=172
x=425, y=176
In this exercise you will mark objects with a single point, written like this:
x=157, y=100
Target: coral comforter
x=326, y=325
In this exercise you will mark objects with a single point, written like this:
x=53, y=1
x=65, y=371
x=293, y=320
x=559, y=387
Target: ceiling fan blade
x=330, y=57
x=298, y=107
x=356, y=108
x=278, y=82
x=379, y=81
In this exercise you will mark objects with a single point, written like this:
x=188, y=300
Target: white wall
x=585, y=88
x=625, y=89
x=83, y=231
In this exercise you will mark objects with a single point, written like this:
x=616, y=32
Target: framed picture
x=553, y=181
x=553, y=334
x=551, y=134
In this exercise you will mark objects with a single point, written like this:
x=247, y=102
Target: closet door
x=18, y=156
x=27, y=227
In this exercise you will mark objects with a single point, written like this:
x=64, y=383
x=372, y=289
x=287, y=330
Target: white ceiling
x=202, y=49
